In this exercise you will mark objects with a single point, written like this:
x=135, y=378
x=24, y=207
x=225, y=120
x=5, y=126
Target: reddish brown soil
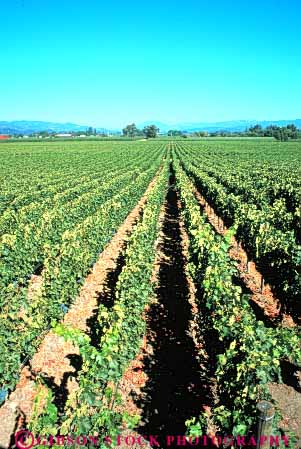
x=289, y=403
x=34, y=285
x=166, y=375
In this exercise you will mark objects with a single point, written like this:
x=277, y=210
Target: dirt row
x=57, y=360
x=171, y=379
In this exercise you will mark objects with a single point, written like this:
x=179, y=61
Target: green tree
x=130, y=130
x=292, y=127
x=292, y=131
x=200, y=133
x=284, y=134
x=277, y=134
x=150, y=131
x=256, y=130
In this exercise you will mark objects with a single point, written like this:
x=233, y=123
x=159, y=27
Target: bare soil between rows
x=172, y=378
x=169, y=382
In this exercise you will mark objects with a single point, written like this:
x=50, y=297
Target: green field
x=61, y=203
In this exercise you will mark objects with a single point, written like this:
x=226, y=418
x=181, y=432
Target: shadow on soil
x=106, y=298
x=60, y=392
x=177, y=387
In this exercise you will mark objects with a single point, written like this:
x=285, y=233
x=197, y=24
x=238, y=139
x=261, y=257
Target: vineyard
x=150, y=288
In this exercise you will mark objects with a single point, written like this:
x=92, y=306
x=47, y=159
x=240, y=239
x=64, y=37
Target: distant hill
x=233, y=125
x=28, y=127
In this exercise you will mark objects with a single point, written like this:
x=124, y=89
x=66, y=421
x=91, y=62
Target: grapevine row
x=67, y=258
x=90, y=408
x=252, y=353
x=274, y=250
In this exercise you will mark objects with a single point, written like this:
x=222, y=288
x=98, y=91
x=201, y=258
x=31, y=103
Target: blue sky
x=109, y=63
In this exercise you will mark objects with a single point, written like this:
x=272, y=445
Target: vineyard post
x=265, y=420
x=262, y=284
x=114, y=396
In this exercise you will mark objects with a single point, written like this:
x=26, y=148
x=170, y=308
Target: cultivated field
x=152, y=285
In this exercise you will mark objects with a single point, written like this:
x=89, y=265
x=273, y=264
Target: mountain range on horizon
x=231, y=125
x=28, y=126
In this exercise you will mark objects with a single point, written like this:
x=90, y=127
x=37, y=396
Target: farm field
x=150, y=287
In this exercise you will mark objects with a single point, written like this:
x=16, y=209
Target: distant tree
x=277, y=134
x=269, y=131
x=130, y=130
x=284, y=134
x=90, y=131
x=174, y=133
x=200, y=134
x=150, y=131
x=292, y=131
x=256, y=131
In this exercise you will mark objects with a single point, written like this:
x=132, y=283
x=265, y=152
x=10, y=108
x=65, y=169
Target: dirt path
x=174, y=380
x=56, y=359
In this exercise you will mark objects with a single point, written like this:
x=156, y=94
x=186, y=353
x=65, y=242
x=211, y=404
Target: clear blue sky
x=110, y=63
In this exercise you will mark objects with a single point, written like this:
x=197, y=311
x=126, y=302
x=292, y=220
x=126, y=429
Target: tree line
x=283, y=133
x=149, y=131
